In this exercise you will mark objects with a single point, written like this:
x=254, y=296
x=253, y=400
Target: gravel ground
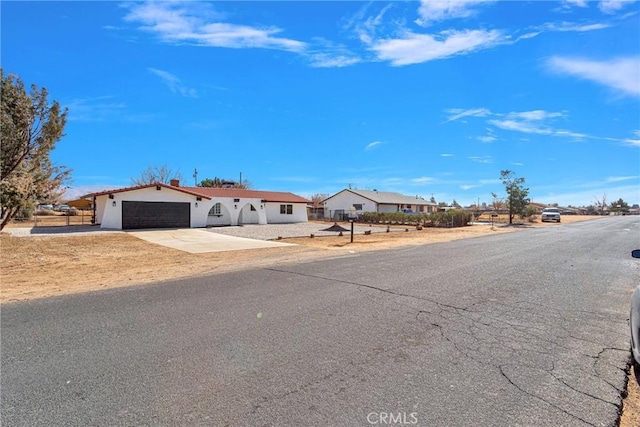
x=250, y=231
x=303, y=229
x=75, y=230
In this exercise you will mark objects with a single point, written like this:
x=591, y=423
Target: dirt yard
x=39, y=266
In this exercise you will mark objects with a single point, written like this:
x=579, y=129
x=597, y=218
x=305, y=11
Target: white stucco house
x=374, y=201
x=172, y=206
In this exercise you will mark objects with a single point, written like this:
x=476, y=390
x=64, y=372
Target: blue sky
x=432, y=98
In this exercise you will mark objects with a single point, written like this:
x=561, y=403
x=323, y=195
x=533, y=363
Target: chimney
x=175, y=183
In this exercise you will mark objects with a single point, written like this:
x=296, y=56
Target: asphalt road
x=526, y=329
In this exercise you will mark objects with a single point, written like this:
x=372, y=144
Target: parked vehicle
x=46, y=207
x=634, y=318
x=63, y=208
x=550, y=214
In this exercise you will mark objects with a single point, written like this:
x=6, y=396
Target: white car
x=634, y=318
x=550, y=214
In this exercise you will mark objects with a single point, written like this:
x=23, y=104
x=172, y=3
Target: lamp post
x=352, y=218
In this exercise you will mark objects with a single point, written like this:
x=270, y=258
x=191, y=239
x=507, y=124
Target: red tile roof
x=236, y=193
x=209, y=193
x=139, y=187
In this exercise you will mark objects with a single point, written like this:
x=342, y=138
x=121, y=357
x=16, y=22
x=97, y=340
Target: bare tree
x=154, y=174
x=317, y=199
x=601, y=203
x=244, y=185
x=497, y=203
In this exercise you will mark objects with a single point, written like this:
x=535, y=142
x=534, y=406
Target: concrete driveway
x=197, y=241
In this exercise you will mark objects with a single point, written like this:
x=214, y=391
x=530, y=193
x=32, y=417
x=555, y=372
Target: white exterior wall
x=110, y=216
x=101, y=203
x=275, y=217
x=247, y=216
x=225, y=217
x=388, y=208
x=345, y=200
x=231, y=211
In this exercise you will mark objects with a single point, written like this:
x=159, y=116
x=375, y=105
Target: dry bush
x=44, y=212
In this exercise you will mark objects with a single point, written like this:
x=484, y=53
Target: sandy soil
x=631, y=404
x=39, y=266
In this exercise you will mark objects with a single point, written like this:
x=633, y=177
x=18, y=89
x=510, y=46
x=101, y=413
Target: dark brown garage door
x=155, y=215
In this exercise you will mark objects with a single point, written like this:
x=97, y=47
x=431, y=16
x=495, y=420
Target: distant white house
x=347, y=200
x=172, y=206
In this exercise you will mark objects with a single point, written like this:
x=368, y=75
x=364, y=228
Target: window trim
x=286, y=209
x=216, y=210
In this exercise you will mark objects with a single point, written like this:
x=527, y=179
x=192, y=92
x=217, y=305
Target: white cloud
x=481, y=159
x=634, y=142
x=622, y=74
x=327, y=54
x=534, y=115
x=372, y=145
x=490, y=181
x=446, y=155
x=95, y=109
x=469, y=186
x=529, y=127
x=366, y=28
x=439, y=10
x=327, y=60
x=459, y=113
x=520, y=126
x=621, y=178
x=629, y=193
x=173, y=83
x=571, y=26
x=532, y=122
x=196, y=23
x=413, y=48
x=487, y=139
x=612, y=6
x=422, y=180
x=579, y=3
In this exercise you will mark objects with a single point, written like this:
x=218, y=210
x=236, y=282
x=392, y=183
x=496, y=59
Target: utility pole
x=195, y=177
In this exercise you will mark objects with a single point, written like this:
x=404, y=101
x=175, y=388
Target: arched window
x=216, y=210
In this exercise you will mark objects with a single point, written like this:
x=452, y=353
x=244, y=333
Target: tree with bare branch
x=601, y=203
x=317, y=199
x=156, y=174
